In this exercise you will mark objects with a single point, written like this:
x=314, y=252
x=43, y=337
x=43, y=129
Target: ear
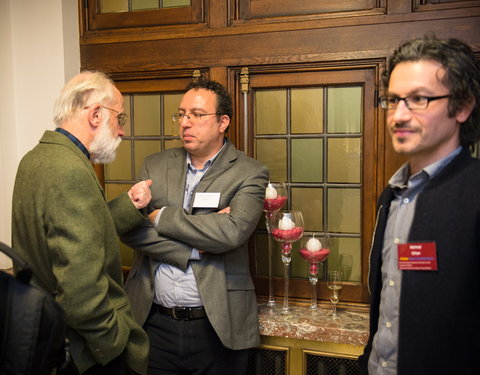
x=463, y=114
x=224, y=123
x=95, y=115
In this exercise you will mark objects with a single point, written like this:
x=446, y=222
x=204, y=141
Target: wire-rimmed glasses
x=192, y=116
x=121, y=116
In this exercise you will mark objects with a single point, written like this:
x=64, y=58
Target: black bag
x=32, y=324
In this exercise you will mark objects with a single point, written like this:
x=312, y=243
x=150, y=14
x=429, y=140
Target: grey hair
x=81, y=91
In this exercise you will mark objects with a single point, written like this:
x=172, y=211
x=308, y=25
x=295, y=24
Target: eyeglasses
x=412, y=101
x=193, y=116
x=121, y=116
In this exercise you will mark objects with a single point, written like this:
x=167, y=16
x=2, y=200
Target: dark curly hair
x=462, y=76
x=224, y=100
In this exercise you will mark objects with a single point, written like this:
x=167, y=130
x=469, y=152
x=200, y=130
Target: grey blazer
x=222, y=274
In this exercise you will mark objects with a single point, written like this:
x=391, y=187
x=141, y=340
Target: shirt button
x=388, y=324
x=406, y=200
x=384, y=364
x=396, y=240
x=391, y=283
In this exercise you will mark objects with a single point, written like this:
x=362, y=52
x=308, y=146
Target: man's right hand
x=140, y=194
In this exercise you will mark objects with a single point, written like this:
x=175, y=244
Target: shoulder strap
x=24, y=273
x=5, y=297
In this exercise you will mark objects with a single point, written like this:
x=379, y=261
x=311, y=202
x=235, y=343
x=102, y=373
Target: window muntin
x=311, y=138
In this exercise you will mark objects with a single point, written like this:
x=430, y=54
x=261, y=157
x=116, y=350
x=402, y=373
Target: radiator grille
x=267, y=362
x=325, y=365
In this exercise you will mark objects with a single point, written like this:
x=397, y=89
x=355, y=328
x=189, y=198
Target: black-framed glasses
x=121, y=116
x=411, y=101
x=193, y=116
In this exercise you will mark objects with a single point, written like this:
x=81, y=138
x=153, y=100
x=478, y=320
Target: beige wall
x=39, y=47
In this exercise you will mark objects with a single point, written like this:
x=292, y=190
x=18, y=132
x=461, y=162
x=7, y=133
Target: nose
x=401, y=113
x=184, y=121
x=121, y=131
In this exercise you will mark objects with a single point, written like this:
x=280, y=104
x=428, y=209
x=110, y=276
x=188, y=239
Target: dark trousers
x=115, y=367
x=190, y=347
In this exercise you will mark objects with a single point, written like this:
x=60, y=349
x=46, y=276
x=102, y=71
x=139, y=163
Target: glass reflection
x=271, y=112
x=344, y=112
x=307, y=110
x=344, y=160
x=344, y=210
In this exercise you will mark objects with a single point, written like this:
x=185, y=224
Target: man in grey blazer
x=190, y=284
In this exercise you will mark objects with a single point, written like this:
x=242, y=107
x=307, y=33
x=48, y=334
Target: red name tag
x=420, y=256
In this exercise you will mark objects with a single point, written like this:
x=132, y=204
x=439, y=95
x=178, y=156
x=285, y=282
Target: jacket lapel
x=223, y=162
x=176, y=175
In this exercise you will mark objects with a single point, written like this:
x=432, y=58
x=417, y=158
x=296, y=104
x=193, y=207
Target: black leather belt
x=182, y=313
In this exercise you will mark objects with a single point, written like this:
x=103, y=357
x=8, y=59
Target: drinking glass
x=314, y=250
x=275, y=200
x=287, y=227
x=335, y=286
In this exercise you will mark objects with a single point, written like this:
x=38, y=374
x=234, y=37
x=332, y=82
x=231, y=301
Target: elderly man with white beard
x=64, y=228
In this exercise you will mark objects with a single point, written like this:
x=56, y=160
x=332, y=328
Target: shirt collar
x=209, y=161
x=401, y=177
x=74, y=140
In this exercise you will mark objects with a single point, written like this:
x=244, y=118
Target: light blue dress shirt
x=173, y=287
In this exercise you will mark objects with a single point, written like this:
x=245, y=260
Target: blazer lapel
x=176, y=174
x=223, y=162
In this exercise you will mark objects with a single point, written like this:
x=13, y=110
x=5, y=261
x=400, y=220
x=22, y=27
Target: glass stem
x=286, y=259
x=271, y=298
x=285, y=289
x=313, y=305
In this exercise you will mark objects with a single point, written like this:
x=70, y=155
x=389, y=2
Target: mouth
x=402, y=131
x=187, y=137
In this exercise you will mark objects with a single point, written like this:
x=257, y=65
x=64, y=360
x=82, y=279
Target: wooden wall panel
x=275, y=8
x=94, y=20
x=322, y=44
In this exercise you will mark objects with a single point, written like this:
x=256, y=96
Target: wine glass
x=275, y=199
x=314, y=251
x=287, y=227
x=334, y=284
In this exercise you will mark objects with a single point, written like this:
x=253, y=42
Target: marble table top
x=351, y=327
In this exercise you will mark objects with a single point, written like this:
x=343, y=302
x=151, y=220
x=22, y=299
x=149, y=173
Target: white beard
x=104, y=145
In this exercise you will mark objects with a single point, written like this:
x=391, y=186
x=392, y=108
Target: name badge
x=206, y=200
x=420, y=256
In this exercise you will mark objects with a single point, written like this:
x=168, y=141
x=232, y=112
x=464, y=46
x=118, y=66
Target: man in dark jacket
x=425, y=259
